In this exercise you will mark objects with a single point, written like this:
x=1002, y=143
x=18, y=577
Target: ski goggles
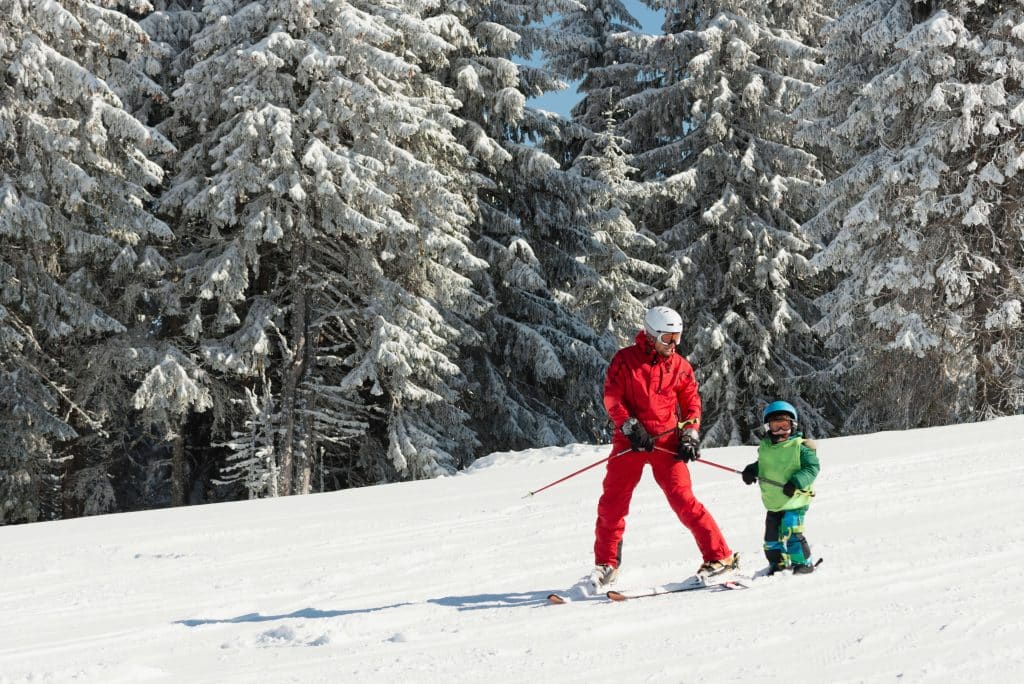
x=670, y=338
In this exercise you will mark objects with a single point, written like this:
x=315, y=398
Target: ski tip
x=616, y=596
x=556, y=599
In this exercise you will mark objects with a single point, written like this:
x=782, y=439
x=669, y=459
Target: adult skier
x=651, y=396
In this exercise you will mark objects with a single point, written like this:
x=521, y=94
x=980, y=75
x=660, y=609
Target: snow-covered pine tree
x=171, y=25
x=326, y=205
x=74, y=172
x=611, y=296
x=172, y=388
x=924, y=224
x=251, y=460
x=537, y=370
x=713, y=129
x=606, y=69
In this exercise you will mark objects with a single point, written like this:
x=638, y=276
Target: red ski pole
x=780, y=485
x=593, y=465
x=581, y=470
x=738, y=472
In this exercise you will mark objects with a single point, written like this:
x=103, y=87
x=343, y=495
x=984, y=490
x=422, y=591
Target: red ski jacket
x=659, y=392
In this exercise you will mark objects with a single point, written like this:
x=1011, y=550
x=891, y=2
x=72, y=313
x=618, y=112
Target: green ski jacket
x=794, y=460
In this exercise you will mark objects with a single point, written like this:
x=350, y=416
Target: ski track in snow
x=446, y=580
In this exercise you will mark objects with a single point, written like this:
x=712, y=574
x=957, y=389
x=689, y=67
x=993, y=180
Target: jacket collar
x=646, y=347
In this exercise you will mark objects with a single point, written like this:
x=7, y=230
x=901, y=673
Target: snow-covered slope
x=445, y=580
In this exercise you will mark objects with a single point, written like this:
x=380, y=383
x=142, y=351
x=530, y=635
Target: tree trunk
x=178, y=473
x=292, y=480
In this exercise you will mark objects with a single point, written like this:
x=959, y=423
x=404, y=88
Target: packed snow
x=445, y=580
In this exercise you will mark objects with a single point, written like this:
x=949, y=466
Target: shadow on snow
x=473, y=602
x=484, y=601
x=305, y=613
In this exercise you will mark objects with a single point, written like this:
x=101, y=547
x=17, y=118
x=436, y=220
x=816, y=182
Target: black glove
x=789, y=489
x=638, y=436
x=750, y=474
x=689, y=448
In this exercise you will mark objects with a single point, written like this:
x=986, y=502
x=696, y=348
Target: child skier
x=784, y=456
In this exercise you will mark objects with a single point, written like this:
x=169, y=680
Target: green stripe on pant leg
x=791, y=535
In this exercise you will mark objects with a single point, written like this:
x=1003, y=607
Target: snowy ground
x=445, y=580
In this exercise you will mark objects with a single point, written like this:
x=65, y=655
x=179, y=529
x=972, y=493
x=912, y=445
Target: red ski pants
x=622, y=475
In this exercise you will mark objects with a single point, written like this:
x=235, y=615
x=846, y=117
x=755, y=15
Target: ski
x=583, y=590
x=574, y=594
x=735, y=583
x=565, y=597
x=727, y=585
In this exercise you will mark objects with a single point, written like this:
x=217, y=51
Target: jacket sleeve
x=614, y=391
x=809, y=467
x=688, y=397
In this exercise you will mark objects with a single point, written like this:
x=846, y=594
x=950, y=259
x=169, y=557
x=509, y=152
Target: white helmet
x=662, y=319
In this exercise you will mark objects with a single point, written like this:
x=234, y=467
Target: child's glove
x=750, y=474
x=638, y=436
x=789, y=489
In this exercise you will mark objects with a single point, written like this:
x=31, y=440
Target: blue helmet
x=778, y=407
